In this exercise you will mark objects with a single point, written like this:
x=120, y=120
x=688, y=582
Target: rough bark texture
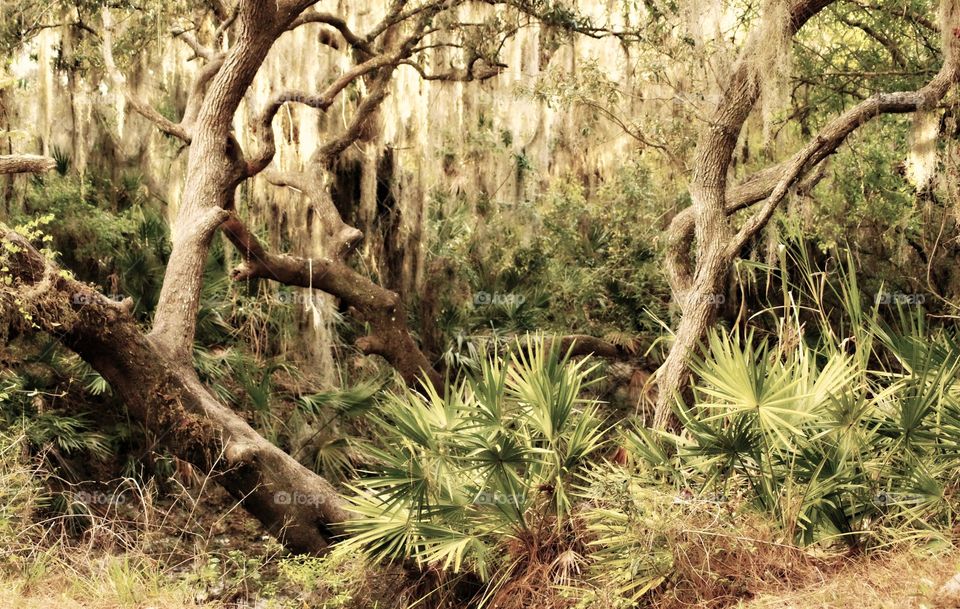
x=163, y=394
x=696, y=277
x=25, y=163
x=380, y=308
x=153, y=372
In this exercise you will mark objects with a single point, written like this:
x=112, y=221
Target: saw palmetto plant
x=850, y=434
x=482, y=480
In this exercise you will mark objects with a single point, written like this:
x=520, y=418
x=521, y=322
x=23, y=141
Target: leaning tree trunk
x=696, y=278
x=295, y=504
x=703, y=241
x=153, y=372
x=699, y=313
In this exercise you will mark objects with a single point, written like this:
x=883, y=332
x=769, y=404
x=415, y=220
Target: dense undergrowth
x=824, y=426
x=838, y=430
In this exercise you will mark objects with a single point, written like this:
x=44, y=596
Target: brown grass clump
x=546, y=561
x=199, y=551
x=901, y=579
x=719, y=564
x=123, y=545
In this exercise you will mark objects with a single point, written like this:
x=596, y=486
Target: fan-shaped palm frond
x=489, y=461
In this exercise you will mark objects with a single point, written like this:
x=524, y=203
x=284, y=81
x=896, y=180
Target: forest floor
x=899, y=581
x=202, y=551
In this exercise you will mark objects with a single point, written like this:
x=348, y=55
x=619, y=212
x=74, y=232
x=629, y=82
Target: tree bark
x=382, y=309
x=163, y=393
x=215, y=167
x=696, y=278
x=153, y=372
x=25, y=163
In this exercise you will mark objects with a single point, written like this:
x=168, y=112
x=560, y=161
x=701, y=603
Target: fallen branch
x=26, y=163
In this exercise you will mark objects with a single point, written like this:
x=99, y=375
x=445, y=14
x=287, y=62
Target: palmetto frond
x=492, y=459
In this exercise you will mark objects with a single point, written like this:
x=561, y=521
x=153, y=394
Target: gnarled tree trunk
x=163, y=394
x=696, y=276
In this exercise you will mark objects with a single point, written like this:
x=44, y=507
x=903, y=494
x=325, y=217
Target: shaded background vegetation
x=531, y=203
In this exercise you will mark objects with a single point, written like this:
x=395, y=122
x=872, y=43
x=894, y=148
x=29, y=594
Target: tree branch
x=192, y=42
x=264, y=125
x=755, y=188
x=164, y=395
x=476, y=69
x=26, y=163
x=140, y=106
x=578, y=345
x=336, y=23
x=885, y=41
x=714, y=153
x=329, y=151
x=380, y=308
x=834, y=134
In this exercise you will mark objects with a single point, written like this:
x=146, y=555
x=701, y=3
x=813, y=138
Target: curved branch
x=476, y=69
x=336, y=23
x=885, y=41
x=164, y=395
x=340, y=238
x=714, y=153
x=198, y=49
x=199, y=89
x=263, y=127
x=227, y=19
x=140, y=106
x=380, y=308
x=25, y=163
x=716, y=143
x=681, y=232
x=834, y=134
x=326, y=153
x=396, y=15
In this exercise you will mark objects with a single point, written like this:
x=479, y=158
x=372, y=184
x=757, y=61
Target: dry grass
x=138, y=554
x=717, y=567
x=903, y=579
x=107, y=582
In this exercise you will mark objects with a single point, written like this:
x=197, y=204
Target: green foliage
x=632, y=525
x=105, y=234
x=229, y=574
x=887, y=47
x=866, y=192
x=848, y=434
x=601, y=252
x=566, y=262
x=480, y=479
x=336, y=581
x=24, y=411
